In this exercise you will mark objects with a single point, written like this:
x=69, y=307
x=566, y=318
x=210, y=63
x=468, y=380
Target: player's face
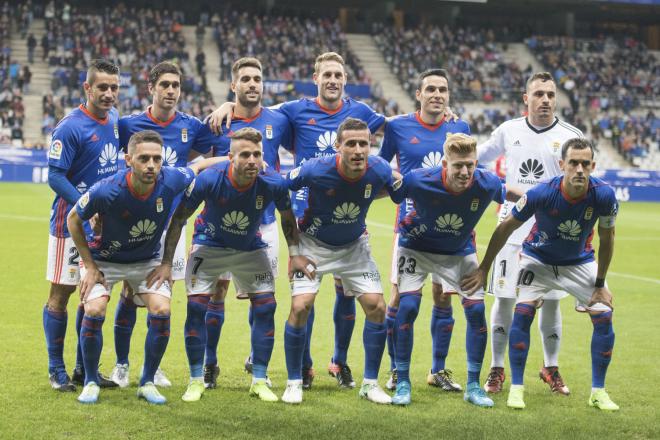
x=246, y=158
x=248, y=86
x=460, y=169
x=434, y=95
x=353, y=150
x=577, y=168
x=330, y=80
x=146, y=162
x=166, y=92
x=541, y=100
x=103, y=91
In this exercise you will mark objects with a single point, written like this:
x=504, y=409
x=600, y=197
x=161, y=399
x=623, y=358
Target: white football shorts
x=62, y=267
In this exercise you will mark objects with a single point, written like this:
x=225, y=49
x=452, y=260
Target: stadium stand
x=14, y=81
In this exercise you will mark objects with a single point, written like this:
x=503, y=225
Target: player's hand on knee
x=602, y=295
x=160, y=274
x=300, y=263
x=473, y=281
x=215, y=119
x=92, y=277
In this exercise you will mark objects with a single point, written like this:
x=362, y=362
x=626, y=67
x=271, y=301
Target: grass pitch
x=30, y=409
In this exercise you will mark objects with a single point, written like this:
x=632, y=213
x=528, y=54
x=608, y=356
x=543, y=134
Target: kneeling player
x=558, y=255
x=134, y=206
x=437, y=237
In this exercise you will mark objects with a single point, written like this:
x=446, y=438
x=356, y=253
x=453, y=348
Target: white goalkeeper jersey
x=531, y=155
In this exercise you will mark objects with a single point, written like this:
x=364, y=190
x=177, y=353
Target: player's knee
x=408, y=307
x=162, y=309
x=96, y=308
x=58, y=297
x=375, y=311
x=264, y=306
x=221, y=289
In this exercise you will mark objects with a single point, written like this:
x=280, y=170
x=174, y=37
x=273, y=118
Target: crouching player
x=558, y=255
x=437, y=237
x=134, y=207
x=226, y=239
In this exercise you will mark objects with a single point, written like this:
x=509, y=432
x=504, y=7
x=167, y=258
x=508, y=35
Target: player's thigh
x=205, y=264
x=453, y=268
x=412, y=270
x=63, y=259
x=357, y=269
x=251, y=272
x=271, y=236
x=535, y=280
x=159, y=297
x=113, y=273
x=579, y=281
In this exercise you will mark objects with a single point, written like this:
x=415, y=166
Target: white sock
x=593, y=390
x=294, y=382
x=501, y=317
x=369, y=381
x=198, y=379
x=551, y=331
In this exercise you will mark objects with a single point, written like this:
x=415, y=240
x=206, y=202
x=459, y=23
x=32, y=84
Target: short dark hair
x=161, y=69
x=100, y=65
x=540, y=76
x=576, y=144
x=431, y=72
x=247, y=134
x=141, y=137
x=350, y=124
x=244, y=62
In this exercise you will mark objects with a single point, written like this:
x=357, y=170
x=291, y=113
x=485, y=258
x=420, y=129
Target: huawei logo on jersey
x=570, y=230
x=108, y=155
x=531, y=167
x=326, y=140
x=449, y=223
x=169, y=156
x=433, y=159
x=346, y=213
x=235, y=222
x=142, y=230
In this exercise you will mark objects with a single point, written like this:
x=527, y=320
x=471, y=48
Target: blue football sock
x=263, y=332
x=250, y=321
x=476, y=336
x=55, y=330
x=195, y=333
x=294, y=344
x=215, y=317
x=344, y=319
x=307, y=351
x=404, y=325
x=124, y=324
x=374, y=337
x=602, y=343
x=155, y=344
x=80, y=313
x=519, y=341
x=91, y=342
x=389, y=322
x=442, y=326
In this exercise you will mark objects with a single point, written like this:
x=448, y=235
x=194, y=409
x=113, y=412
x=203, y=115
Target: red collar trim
x=91, y=115
x=235, y=184
x=131, y=189
x=327, y=110
x=344, y=176
x=428, y=126
x=568, y=198
x=446, y=185
x=248, y=120
x=158, y=121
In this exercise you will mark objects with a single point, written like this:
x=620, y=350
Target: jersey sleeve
x=205, y=140
x=388, y=146
x=196, y=191
x=297, y=177
x=493, y=147
x=63, y=147
x=124, y=133
x=608, y=209
x=496, y=188
x=289, y=109
x=286, y=140
x=96, y=200
x=401, y=188
x=525, y=207
x=373, y=119
x=281, y=195
x=179, y=178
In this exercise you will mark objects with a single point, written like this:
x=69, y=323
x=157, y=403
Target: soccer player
x=437, y=237
x=341, y=189
x=134, y=206
x=227, y=238
x=247, y=84
x=558, y=255
x=416, y=140
x=184, y=137
x=314, y=123
x=83, y=151
x=531, y=147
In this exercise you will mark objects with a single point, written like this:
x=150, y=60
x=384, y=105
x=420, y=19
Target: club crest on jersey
x=367, y=191
x=159, y=204
x=116, y=130
x=55, y=149
x=260, y=202
x=474, y=205
x=555, y=146
x=269, y=131
x=589, y=213
x=184, y=135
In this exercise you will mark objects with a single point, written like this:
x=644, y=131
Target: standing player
x=83, y=151
x=247, y=84
x=437, y=237
x=531, y=147
x=341, y=189
x=416, y=140
x=184, y=136
x=314, y=123
x=134, y=206
x=227, y=238
x=558, y=254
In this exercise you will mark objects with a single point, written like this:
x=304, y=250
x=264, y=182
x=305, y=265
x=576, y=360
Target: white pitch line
x=634, y=277
x=25, y=217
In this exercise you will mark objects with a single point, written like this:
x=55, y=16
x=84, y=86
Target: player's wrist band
x=294, y=251
x=600, y=282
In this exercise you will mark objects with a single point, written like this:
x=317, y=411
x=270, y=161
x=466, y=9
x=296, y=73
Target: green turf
x=29, y=409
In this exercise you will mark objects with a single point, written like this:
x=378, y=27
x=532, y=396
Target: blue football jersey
x=416, y=144
x=564, y=227
x=276, y=132
x=315, y=132
x=232, y=215
x=86, y=148
x=338, y=205
x=132, y=224
x=441, y=221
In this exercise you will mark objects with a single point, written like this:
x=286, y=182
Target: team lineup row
x=441, y=197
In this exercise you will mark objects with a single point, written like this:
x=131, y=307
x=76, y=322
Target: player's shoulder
x=458, y=125
x=109, y=187
x=132, y=119
x=270, y=176
x=601, y=188
x=72, y=122
x=379, y=164
x=187, y=119
x=214, y=172
x=514, y=124
x=401, y=121
x=272, y=115
x=486, y=178
x=569, y=129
